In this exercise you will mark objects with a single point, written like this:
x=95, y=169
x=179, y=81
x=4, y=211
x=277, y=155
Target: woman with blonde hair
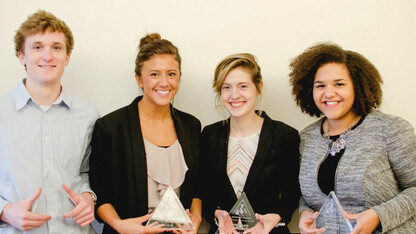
x=249, y=152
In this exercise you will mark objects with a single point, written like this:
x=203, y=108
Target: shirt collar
x=22, y=97
x=64, y=99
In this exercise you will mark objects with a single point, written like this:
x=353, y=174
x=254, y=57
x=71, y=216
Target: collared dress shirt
x=44, y=147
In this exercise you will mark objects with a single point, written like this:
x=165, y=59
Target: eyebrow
x=337, y=80
x=239, y=83
x=54, y=43
x=170, y=70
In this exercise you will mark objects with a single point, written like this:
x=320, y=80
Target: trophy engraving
x=171, y=213
x=242, y=214
x=330, y=216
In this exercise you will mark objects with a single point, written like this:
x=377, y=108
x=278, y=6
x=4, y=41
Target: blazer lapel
x=139, y=157
x=265, y=143
x=185, y=142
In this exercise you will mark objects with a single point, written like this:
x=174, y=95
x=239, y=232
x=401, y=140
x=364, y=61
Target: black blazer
x=272, y=184
x=118, y=171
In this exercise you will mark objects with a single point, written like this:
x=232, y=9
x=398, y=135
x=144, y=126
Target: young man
x=44, y=138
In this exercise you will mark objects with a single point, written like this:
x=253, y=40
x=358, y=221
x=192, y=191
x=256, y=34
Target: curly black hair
x=364, y=75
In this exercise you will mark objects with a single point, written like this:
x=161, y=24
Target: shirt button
x=46, y=138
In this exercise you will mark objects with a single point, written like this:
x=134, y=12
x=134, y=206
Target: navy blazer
x=272, y=184
x=118, y=170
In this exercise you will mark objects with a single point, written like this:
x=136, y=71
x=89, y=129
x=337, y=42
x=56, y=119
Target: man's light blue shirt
x=44, y=148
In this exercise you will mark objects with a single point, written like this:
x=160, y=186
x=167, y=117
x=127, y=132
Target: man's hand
x=83, y=213
x=19, y=215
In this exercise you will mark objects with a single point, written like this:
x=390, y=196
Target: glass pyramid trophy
x=171, y=213
x=242, y=214
x=330, y=216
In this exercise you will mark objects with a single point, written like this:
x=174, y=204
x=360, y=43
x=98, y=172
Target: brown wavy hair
x=364, y=75
x=39, y=22
x=153, y=44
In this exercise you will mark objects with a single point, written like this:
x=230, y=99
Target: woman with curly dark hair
x=368, y=158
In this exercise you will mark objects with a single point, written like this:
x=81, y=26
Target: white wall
x=107, y=33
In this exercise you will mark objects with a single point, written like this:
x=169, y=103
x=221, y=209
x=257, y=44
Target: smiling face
x=45, y=58
x=159, y=79
x=238, y=93
x=333, y=92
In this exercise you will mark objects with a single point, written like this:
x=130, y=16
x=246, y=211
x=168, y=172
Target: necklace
x=340, y=143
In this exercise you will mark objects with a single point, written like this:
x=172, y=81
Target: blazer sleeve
x=401, y=150
x=303, y=205
x=99, y=165
x=290, y=192
x=205, y=184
